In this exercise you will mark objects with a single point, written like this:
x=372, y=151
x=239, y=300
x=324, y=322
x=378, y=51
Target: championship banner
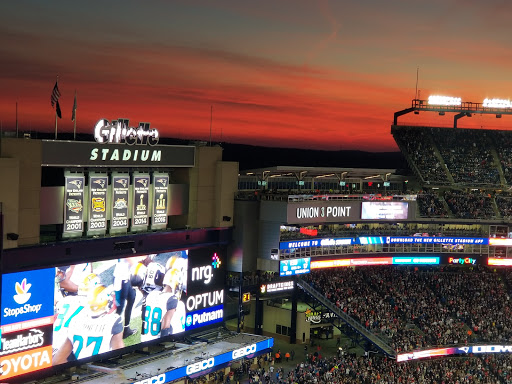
x=98, y=187
x=140, y=215
x=120, y=201
x=74, y=203
x=160, y=200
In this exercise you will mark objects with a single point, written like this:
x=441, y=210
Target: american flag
x=55, y=94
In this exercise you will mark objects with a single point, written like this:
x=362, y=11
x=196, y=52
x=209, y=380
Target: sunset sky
x=304, y=74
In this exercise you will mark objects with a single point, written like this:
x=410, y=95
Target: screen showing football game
x=69, y=313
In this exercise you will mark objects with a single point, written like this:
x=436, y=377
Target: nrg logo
x=205, y=272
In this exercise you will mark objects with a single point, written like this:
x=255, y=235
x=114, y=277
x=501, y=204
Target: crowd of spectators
x=470, y=205
x=467, y=154
x=417, y=143
x=503, y=143
x=351, y=369
x=417, y=308
x=430, y=205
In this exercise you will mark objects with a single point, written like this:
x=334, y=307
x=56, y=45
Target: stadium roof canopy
x=461, y=109
x=322, y=172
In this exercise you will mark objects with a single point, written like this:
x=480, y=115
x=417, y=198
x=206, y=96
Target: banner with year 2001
x=74, y=203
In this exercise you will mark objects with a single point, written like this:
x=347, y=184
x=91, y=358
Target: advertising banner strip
x=499, y=262
x=6, y=329
x=366, y=261
x=160, y=200
x=120, y=201
x=74, y=203
x=140, y=217
x=466, y=350
x=210, y=364
x=98, y=202
x=25, y=362
x=25, y=340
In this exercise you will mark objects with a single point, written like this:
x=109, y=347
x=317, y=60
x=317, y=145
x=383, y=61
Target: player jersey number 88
x=157, y=305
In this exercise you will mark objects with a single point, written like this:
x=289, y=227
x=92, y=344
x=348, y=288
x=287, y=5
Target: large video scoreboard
x=69, y=314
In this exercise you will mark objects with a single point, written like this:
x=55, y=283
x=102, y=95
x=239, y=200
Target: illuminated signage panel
x=365, y=240
x=323, y=211
x=74, y=203
x=71, y=309
x=279, y=286
x=384, y=210
x=294, y=266
x=499, y=262
x=502, y=242
x=466, y=350
x=205, y=298
x=140, y=216
x=98, y=200
x=57, y=153
x=414, y=260
x=315, y=243
x=367, y=261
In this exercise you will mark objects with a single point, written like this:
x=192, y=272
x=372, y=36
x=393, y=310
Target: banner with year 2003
x=74, y=203
x=98, y=188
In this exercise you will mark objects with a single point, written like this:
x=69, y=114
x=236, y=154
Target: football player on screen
x=148, y=276
x=99, y=330
x=165, y=312
x=70, y=307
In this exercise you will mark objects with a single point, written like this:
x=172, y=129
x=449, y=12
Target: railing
x=355, y=325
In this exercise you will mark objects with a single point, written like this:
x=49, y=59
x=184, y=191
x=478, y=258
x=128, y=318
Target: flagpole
x=74, y=120
x=17, y=120
x=57, y=83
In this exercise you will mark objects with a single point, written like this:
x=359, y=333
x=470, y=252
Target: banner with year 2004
x=120, y=202
x=160, y=200
x=140, y=217
x=74, y=203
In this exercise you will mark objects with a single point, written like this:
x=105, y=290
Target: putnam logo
x=22, y=294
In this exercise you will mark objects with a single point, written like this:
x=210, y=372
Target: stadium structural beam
x=400, y=113
x=458, y=116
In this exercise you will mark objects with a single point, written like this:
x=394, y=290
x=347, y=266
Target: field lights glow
x=496, y=103
x=444, y=100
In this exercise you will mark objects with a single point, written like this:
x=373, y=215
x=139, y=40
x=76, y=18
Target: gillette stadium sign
x=116, y=144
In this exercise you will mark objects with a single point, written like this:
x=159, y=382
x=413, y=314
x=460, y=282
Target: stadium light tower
x=444, y=104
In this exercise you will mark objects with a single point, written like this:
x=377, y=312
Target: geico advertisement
x=204, y=366
x=205, y=297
